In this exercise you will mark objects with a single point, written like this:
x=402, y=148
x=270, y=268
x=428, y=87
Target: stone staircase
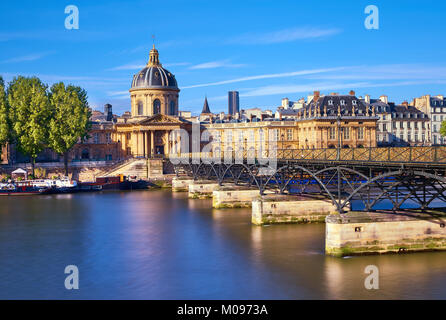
x=130, y=167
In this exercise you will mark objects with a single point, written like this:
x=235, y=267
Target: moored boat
x=21, y=188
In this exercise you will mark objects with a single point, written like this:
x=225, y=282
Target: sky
x=266, y=50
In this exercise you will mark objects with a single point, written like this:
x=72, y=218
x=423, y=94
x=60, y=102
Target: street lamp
x=338, y=154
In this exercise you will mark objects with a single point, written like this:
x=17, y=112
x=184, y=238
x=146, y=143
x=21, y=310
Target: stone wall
x=290, y=209
x=357, y=233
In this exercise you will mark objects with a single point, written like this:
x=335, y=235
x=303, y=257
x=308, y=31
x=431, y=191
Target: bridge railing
x=434, y=154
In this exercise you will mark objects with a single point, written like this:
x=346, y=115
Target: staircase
x=130, y=167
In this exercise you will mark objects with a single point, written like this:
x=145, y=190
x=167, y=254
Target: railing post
x=435, y=154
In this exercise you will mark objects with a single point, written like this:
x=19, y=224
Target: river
x=160, y=245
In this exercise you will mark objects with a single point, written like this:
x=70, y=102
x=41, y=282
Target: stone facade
x=357, y=233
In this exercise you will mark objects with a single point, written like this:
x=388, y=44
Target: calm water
x=159, y=245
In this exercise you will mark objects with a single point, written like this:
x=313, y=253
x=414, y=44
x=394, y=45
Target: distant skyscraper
x=233, y=102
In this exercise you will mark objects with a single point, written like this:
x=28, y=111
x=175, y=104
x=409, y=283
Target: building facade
x=435, y=108
x=326, y=122
x=400, y=125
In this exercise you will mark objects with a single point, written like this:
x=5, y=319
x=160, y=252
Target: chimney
x=406, y=104
x=316, y=95
x=383, y=99
x=352, y=93
x=367, y=98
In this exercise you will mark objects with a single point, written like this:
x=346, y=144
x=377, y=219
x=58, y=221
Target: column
x=152, y=143
x=166, y=148
x=144, y=144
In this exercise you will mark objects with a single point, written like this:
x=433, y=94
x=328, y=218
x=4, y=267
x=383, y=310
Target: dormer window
x=330, y=102
x=342, y=102
x=354, y=102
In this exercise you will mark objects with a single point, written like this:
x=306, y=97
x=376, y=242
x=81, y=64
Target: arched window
x=140, y=108
x=172, y=108
x=156, y=106
x=85, y=154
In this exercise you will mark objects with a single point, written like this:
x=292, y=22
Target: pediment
x=160, y=118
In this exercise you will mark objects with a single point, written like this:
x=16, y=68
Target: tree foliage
x=69, y=120
x=29, y=115
x=4, y=121
x=443, y=128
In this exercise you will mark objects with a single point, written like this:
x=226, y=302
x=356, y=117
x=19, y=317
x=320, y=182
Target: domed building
x=154, y=90
x=154, y=113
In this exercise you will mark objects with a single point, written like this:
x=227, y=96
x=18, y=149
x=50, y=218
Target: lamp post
x=338, y=154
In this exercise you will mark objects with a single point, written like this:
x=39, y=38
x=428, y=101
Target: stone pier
x=234, y=197
x=181, y=184
x=359, y=233
x=271, y=209
x=202, y=189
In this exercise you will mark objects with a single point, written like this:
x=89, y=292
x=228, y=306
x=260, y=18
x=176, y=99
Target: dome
x=154, y=75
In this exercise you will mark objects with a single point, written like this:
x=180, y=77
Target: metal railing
x=432, y=154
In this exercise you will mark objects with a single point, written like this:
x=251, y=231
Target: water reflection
x=159, y=245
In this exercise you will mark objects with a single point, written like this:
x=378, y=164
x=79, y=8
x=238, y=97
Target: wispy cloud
x=26, y=58
x=286, y=35
x=216, y=64
x=329, y=86
x=265, y=76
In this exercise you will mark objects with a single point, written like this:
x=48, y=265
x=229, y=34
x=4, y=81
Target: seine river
x=159, y=245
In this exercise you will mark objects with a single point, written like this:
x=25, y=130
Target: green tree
x=29, y=114
x=70, y=118
x=4, y=122
x=443, y=128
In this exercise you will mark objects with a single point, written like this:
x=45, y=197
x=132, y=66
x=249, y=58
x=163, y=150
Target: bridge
x=367, y=179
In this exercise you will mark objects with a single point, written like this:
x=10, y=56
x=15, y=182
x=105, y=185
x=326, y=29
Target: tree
x=4, y=122
x=29, y=114
x=69, y=119
x=443, y=128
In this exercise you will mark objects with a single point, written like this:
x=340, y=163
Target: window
x=385, y=127
x=401, y=124
x=346, y=133
x=96, y=138
x=289, y=134
x=434, y=127
x=332, y=133
x=108, y=138
x=156, y=106
x=394, y=125
x=360, y=133
x=228, y=136
x=140, y=108
x=172, y=108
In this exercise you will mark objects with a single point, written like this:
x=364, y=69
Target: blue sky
x=267, y=50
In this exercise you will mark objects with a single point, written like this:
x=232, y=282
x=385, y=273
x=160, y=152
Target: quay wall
x=357, y=233
x=272, y=209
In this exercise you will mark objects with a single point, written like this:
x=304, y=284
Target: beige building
x=326, y=122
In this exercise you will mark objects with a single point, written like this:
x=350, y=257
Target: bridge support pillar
x=272, y=209
x=202, y=189
x=234, y=197
x=181, y=184
x=358, y=233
